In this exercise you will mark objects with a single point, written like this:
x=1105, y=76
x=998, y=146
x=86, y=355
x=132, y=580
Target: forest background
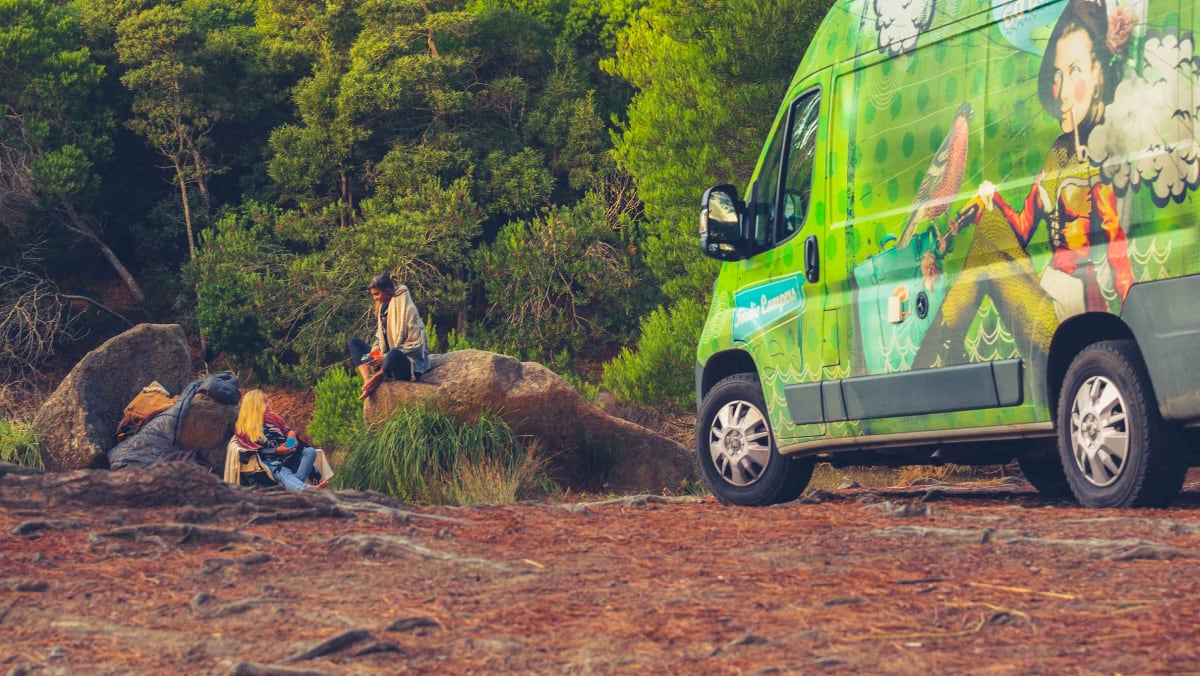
x=531, y=169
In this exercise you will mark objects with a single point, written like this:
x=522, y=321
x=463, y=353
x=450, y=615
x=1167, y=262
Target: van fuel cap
x=922, y=304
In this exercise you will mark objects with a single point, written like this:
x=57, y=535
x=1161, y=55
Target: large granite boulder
x=589, y=449
x=77, y=422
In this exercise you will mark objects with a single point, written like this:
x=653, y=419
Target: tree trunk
x=201, y=182
x=187, y=211
x=429, y=33
x=187, y=221
x=78, y=225
x=342, y=209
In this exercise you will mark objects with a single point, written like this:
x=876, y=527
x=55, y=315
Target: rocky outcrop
x=77, y=422
x=589, y=449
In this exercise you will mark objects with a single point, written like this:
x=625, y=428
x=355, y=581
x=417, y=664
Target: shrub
x=661, y=372
x=424, y=455
x=337, y=414
x=563, y=281
x=19, y=444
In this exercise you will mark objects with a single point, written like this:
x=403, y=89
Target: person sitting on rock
x=400, y=351
x=260, y=430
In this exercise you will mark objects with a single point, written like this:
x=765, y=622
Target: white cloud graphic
x=901, y=22
x=1149, y=137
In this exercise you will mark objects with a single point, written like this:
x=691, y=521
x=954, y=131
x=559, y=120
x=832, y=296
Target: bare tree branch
x=34, y=318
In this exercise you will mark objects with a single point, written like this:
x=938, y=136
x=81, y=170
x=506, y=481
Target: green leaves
x=562, y=281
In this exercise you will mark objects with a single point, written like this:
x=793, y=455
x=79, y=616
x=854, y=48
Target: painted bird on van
x=943, y=179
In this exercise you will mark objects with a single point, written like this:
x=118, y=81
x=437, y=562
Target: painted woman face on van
x=1076, y=79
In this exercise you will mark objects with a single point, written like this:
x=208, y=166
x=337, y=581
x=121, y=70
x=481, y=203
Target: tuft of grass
x=19, y=444
x=425, y=456
x=495, y=482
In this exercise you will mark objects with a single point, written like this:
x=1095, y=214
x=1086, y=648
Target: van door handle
x=812, y=259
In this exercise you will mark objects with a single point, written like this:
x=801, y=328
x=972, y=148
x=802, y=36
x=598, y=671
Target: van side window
x=792, y=154
x=766, y=190
x=801, y=158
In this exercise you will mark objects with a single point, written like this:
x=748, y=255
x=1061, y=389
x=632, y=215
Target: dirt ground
x=170, y=571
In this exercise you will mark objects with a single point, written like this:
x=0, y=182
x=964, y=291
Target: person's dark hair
x=384, y=284
x=1092, y=17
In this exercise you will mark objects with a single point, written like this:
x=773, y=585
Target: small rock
x=332, y=645
x=56, y=653
x=201, y=599
x=927, y=481
x=815, y=497
x=912, y=509
x=211, y=566
x=31, y=586
x=844, y=601
x=749, y=639
x=846, y=485
x=410, y=623
x=255, y=559
x=375, y=647
x=253, y=669
x=30, y=529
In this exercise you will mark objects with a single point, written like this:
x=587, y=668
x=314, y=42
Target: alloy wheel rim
x=739, y=442
x=1099, y=431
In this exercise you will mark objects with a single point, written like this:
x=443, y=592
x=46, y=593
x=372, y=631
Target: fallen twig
x=1023, y=590
x=922, y=634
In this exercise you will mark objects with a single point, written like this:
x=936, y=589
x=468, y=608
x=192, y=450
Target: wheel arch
x=720, y=366
x=1072, y=337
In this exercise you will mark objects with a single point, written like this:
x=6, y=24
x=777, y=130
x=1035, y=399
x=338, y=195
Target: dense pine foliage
x=529, y=168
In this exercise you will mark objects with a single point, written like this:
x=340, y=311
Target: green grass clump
x=19, y=444
x=425, y=456
x=338, y=412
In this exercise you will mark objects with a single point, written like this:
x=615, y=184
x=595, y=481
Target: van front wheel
x=736, y=451
x=1116, y=449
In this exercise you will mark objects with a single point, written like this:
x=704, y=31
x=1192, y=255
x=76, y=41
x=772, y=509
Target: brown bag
x=152, y=400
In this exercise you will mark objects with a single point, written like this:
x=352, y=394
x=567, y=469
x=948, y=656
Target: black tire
x=1043, y=469
x=736, y=450
x=1107, y=407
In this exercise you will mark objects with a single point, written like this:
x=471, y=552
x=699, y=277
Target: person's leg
x=397, y=365
x=308, y=456
x=358, y=352
x=288, y=479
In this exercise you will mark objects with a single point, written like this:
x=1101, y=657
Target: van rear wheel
x=736, y=451
x=1116, y=449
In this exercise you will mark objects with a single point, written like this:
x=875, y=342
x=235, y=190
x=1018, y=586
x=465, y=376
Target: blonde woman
x=260, y=430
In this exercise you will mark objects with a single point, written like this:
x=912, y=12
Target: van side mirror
x=722, y=235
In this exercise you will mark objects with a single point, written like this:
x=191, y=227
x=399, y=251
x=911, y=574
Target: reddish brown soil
x=169, y=571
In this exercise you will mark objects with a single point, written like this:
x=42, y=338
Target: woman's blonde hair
x=250, y=416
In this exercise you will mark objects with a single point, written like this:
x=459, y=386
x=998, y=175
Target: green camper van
x=971, y=238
